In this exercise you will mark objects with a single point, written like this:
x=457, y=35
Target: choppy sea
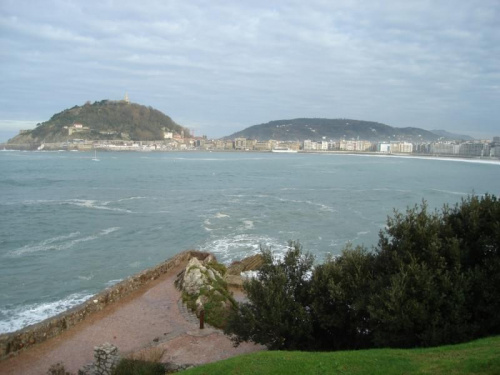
x=71, y=226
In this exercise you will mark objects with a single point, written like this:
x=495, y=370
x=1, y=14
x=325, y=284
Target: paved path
x=147, y=317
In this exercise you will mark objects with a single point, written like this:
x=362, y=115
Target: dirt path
x=150, y=316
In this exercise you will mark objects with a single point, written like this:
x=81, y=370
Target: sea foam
x=231, y=248
x=59, y=243
x=12, y=319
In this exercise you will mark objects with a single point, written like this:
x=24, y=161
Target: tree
x=433, y=279
x=419, y=292
x=278, y=312
x=340, y=291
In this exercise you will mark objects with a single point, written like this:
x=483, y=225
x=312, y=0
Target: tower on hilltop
x=126, y=99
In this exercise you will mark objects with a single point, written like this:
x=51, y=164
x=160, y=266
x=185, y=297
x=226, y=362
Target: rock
x=194, y=280
x=200, y=302
x=235, y=281
x=200, y=283
x=252, y=263
x=211, y=274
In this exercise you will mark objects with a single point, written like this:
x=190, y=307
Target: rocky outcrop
x=234, y=276
x=252, y=263
x=200, y=280
x=204, y=289
x=197, y=275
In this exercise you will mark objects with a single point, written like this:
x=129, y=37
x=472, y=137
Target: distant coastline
x=4, y=147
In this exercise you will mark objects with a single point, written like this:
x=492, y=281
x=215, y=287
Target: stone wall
x=106, y=359
x=12, y=343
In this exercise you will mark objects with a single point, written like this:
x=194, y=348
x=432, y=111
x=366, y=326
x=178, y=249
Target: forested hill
x=105, y=119
x=317, y=128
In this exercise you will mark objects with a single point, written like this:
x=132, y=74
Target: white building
x=307, y=145
x=384, y=147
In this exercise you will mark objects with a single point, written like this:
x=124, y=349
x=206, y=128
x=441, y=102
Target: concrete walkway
x=151, y=316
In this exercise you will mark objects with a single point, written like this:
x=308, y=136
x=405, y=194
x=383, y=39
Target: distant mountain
x=101, y=120
x=317, y=128
x=452, y=136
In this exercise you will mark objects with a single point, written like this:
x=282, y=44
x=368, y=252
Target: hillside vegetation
x=478, y=357
x=105, y=119
x=316, y=128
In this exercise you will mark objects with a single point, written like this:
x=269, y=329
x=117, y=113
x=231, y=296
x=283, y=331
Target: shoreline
x=476, y=159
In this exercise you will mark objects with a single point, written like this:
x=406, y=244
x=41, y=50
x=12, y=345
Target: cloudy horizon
x=220, y=66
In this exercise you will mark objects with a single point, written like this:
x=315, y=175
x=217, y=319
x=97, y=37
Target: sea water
x=71, y=226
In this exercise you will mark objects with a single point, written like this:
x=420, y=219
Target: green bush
x=58, y=369
x=277, y=314
x=340, y=291
x=433, y=279
x=138, y=367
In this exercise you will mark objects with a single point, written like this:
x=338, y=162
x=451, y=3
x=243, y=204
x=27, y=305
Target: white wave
x=442, y=158
x=59, y=243
x=363, y=233
x=50, y=244
x=20, y=317
x=86, y=278
x=248, y=224
x=105, y=232
x=449, y=192
x=216, y=159
x=87, y=203
x=220, y=215
x=230, y=248
x=130, y=199
x=200, y=159
x=113, y=282
x=389, y=190
x=322, y=207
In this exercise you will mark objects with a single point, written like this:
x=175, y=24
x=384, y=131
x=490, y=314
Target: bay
x=71, y=226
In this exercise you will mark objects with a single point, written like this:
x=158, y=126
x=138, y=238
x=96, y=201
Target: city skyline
x=220, y=67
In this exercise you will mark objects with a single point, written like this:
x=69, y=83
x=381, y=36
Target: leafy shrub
x=433, y=279
x=58, y=369
x=277, y=314
x=138, y=367
x=340, y=290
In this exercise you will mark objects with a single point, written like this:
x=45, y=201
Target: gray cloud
x=219, y=66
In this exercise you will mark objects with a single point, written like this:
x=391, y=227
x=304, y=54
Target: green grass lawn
x=477, y=357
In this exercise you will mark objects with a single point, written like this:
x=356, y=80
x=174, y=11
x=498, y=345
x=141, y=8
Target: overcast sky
x=219, y=66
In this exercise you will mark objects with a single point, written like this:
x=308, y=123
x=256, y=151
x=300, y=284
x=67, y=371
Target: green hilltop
x=316, y=128
x=105, y=119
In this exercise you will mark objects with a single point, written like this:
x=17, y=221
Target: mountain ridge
x=448, y=135
x=315, y=129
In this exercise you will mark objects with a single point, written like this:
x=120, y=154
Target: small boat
x=95, y=156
